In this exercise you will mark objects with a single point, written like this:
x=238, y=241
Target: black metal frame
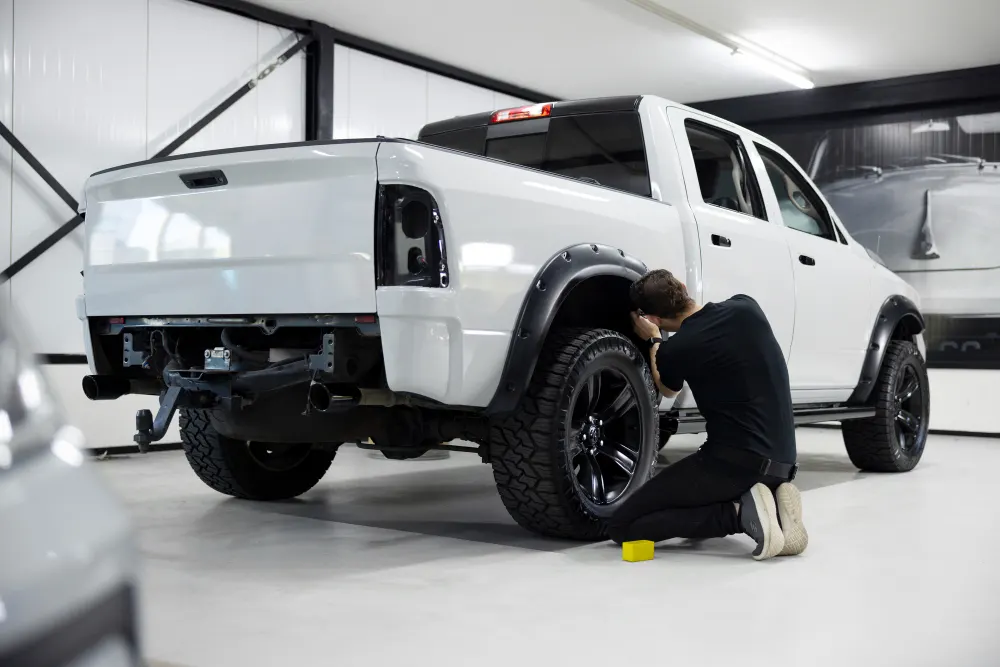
x=319, y=87
x=888, y=100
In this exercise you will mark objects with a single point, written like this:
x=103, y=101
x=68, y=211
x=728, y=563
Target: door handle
x=808, y=261
x=721, y=241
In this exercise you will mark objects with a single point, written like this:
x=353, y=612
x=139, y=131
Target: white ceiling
x=585, y=48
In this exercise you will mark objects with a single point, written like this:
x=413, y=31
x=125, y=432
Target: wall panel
x=198, y=56
x=281, y=99
x=6, y=153
x=79, y=105
x=501, y=101
x=447, y=98
x=374, y=96
x=382, y=97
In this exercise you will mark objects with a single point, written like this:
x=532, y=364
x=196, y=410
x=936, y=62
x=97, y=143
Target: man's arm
x=669, y=393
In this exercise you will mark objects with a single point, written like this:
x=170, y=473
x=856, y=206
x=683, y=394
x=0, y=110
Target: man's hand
x=644, y=329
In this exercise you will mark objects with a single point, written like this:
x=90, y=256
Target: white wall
x=6, y=113
x=90, y=84
x=373, y=96
x=963, y=400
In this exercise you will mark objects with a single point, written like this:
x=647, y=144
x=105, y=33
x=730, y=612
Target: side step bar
x=674, y=422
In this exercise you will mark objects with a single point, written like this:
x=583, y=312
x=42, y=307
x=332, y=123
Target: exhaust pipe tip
x=105, y=387
x=321, y=399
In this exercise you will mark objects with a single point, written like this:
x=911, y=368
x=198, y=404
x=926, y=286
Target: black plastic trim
x=673, y=422
x=241, y=149
x=82, y=631
x=548, y=291
x=895, y=309
x=933, y=431
x=204, y=179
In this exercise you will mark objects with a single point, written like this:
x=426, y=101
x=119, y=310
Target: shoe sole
x=767, y=513
x=789, y=500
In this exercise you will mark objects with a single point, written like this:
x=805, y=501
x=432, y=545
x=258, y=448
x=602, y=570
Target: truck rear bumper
x=428, y=352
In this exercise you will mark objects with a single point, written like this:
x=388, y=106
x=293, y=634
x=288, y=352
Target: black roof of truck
x=566, y=108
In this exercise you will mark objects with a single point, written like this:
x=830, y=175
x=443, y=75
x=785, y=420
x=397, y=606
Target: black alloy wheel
x=894, y=439
x=908, y=405
x=583, y=438
x=603, y=437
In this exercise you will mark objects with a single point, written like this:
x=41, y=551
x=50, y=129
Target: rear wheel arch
x=581, y=286
x=898, y=319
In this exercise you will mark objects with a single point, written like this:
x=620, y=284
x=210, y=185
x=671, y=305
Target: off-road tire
x=227, y=465
x=872, y=444
x=531, y=466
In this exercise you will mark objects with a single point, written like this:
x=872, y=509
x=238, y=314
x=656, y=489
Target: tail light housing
x=410, y=238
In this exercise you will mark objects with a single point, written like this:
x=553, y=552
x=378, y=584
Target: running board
x=673, y=422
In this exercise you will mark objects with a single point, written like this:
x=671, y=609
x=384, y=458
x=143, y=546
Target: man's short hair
x=659, y=293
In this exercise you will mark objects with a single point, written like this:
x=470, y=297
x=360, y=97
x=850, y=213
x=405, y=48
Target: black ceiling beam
x=885, y=98
x=256, y=12
x=437, y=67
x=319, y=84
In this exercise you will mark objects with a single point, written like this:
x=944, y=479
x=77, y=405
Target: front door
x=832, y=283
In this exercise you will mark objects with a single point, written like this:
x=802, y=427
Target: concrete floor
x=414, y=563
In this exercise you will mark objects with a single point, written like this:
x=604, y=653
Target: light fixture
x=763, y=59
x=774, y=68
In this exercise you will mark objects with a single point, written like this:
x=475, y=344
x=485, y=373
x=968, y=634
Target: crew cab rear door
x=742, y=252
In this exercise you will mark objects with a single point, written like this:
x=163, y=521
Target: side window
x=801, y=208
x=724, y=174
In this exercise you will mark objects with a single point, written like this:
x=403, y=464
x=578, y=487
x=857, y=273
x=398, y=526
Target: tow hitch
x=149, y=430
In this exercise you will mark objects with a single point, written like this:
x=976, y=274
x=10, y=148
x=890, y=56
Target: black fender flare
x=894, y=311
x=553, y=283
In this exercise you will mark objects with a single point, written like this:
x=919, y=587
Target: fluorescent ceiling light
x=766, y=61
x=775, y=69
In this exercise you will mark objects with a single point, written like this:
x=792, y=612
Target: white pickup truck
x=473, y=286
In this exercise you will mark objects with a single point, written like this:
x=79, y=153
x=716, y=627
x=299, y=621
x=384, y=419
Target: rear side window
x=723, y=170
x=600, y=148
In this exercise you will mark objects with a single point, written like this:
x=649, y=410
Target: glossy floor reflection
x=417, y=562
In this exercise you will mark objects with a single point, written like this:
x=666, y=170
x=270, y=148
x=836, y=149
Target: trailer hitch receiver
x=150, y=430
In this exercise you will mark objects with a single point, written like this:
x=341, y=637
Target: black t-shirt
x=728, y=355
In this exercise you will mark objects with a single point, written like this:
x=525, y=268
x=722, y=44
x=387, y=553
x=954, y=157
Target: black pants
x=692, y=498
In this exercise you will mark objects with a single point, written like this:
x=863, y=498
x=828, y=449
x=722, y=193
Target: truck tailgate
x=282, y=230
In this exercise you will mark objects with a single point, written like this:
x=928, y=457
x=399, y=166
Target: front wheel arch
x=898, y=319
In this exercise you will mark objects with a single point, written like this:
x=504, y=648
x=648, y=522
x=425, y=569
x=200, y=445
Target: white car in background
x=923, y=196
x=67, y=557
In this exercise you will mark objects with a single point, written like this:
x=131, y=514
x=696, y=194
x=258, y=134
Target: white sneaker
x=789, y=501
x=759, y=520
